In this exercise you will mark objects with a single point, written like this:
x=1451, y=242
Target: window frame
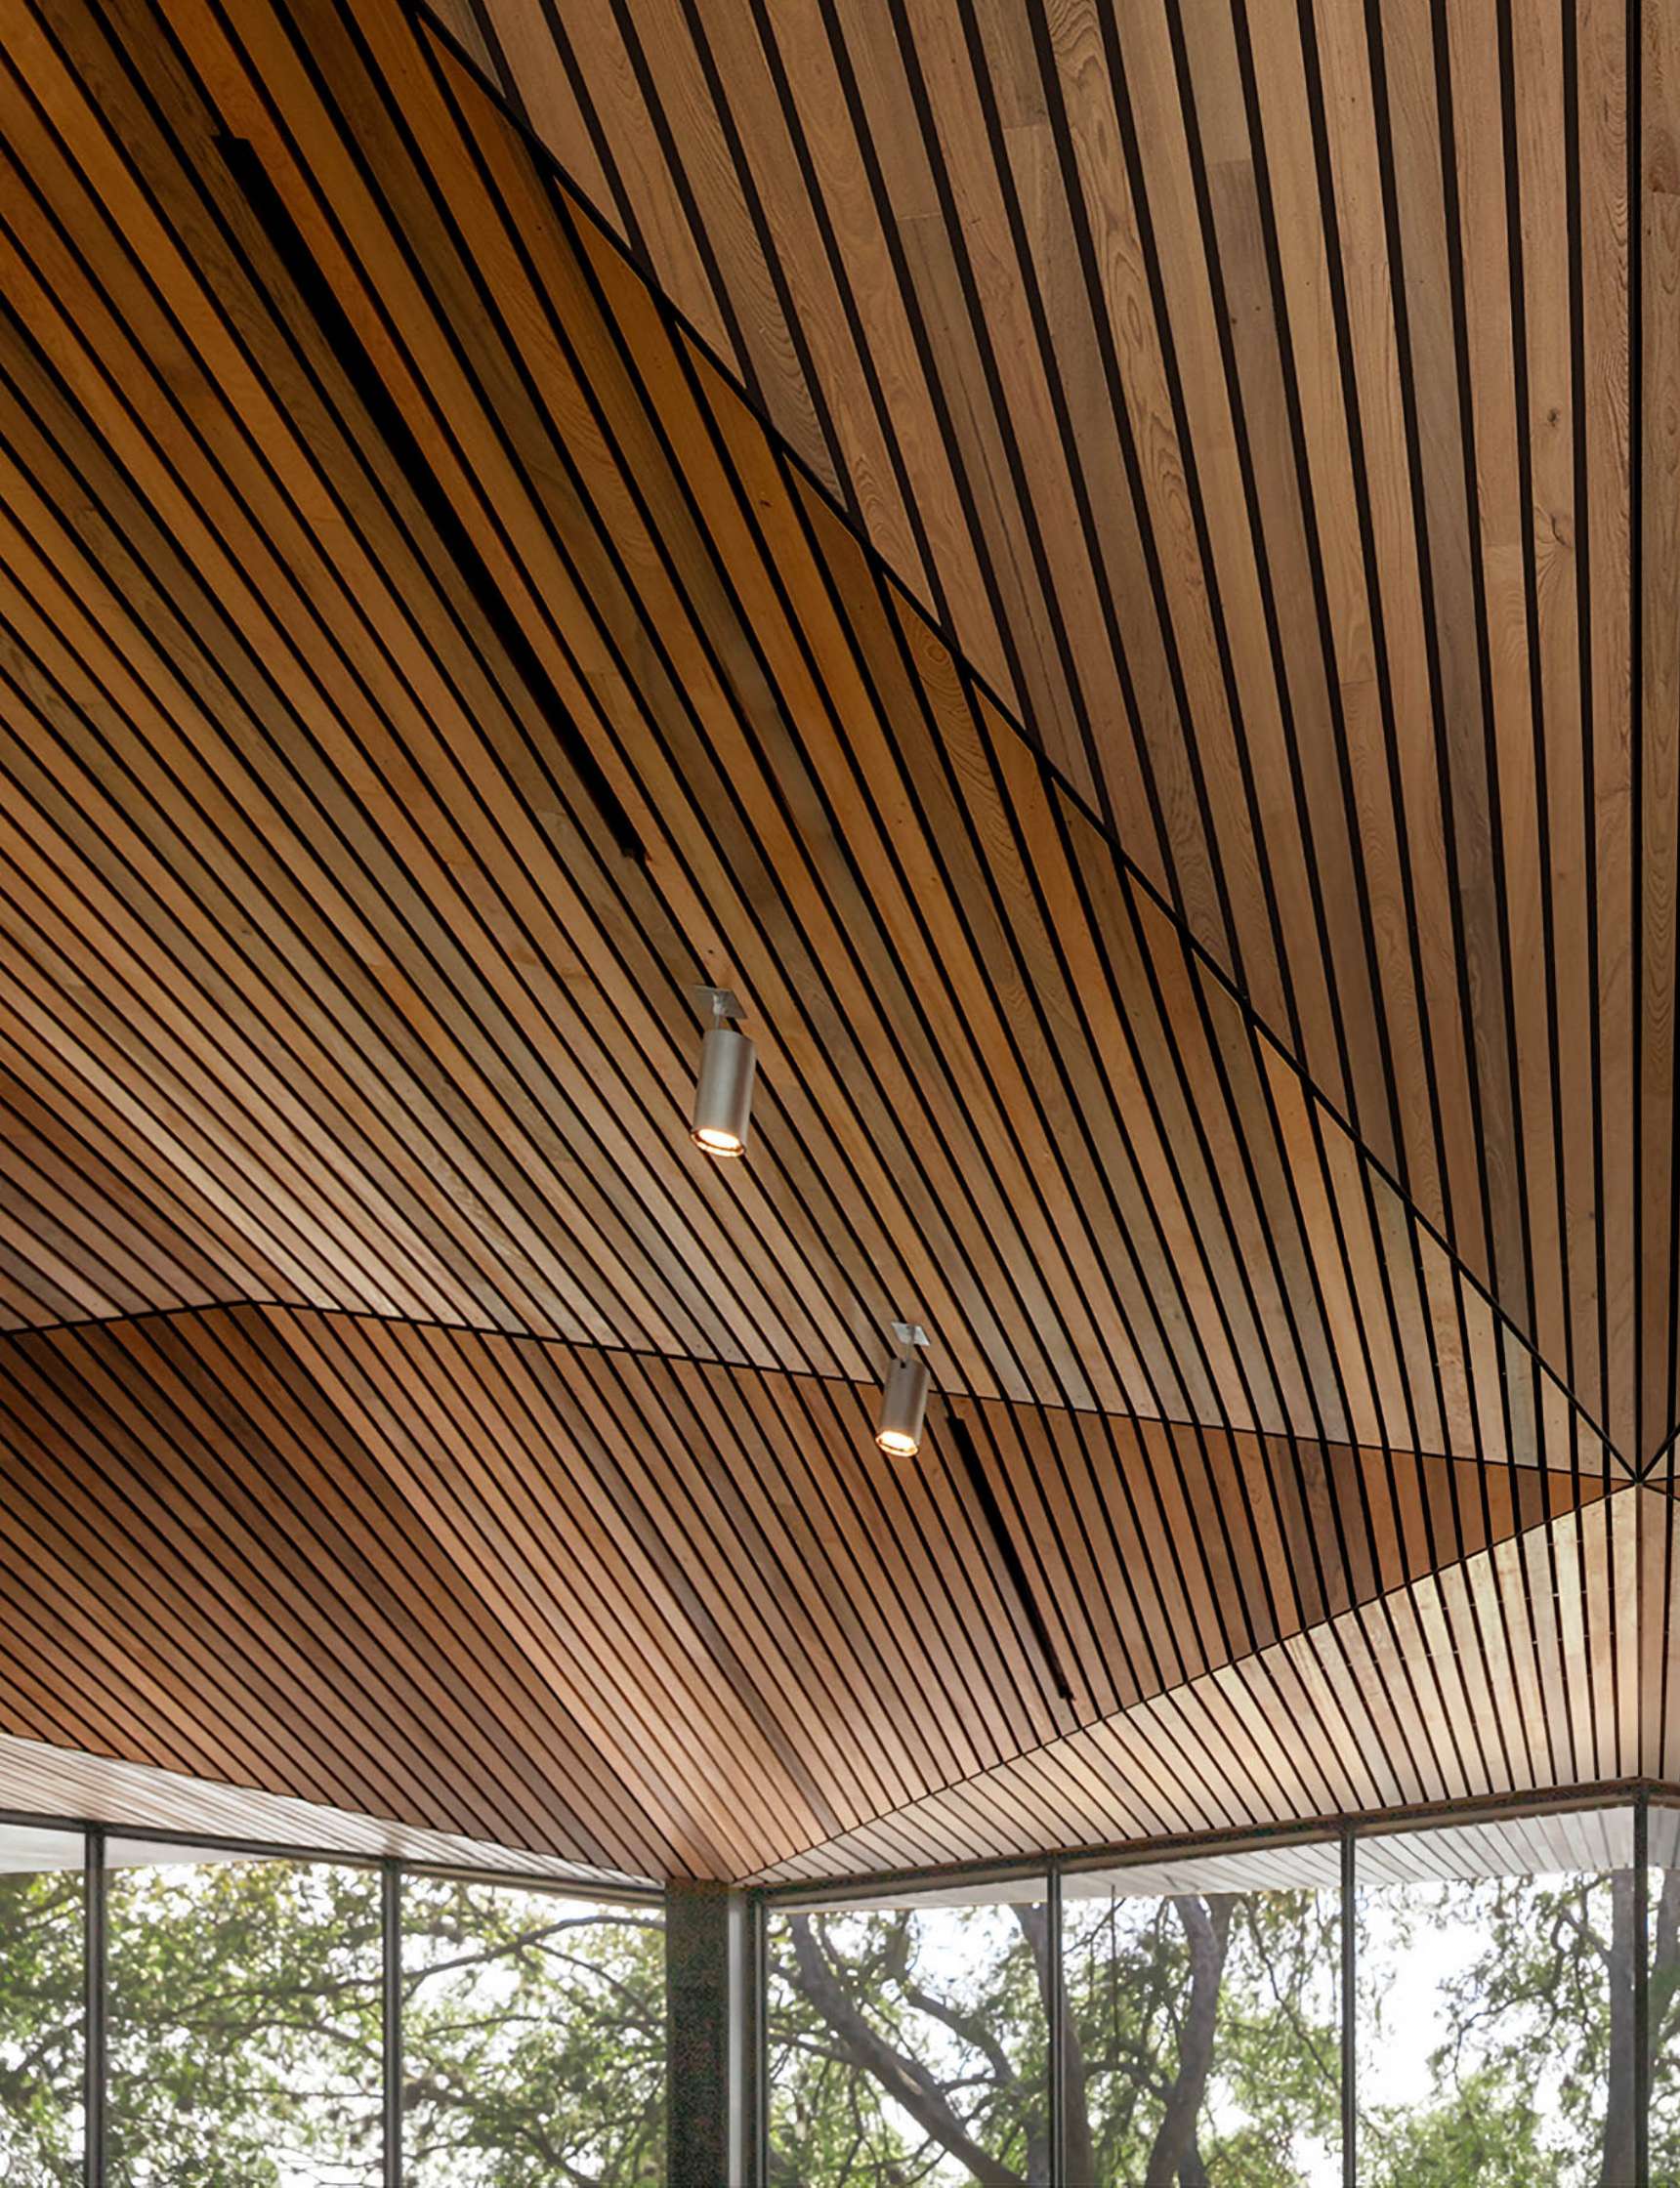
x=761, y=1901
x=96, y=1838
x=1344, y=1834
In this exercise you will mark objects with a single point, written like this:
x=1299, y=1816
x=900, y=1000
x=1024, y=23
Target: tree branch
x=904, y=2080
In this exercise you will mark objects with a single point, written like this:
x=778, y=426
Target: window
x=533, y=2038
x=908, y=2034
x=42, y=1985
x=1663, y=2003
x=244, y=2022
x=909, y=2040
x=1203, y=2021
x=1495, y=1966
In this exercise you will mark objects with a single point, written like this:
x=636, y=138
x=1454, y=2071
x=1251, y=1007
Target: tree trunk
x=1618, y=2118
x=1078, y=2151
x=1664, y=1976
x=1176, y=2157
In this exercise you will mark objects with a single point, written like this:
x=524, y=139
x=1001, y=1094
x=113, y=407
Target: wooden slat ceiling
x=1542, y=1841
x=529, y=1558
x=423, y=659
x=1263, y=397
x=1485, y=1672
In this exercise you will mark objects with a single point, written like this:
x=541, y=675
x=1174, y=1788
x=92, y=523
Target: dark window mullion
x=95, y=2047
x=390, y=1933
x=1350, y=1976
x=1642, y=1990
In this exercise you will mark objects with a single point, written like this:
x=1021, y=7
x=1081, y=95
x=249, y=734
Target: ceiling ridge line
x=500, y=1608
x=268, y=1304
x=1212, y=1671
x=424, y=19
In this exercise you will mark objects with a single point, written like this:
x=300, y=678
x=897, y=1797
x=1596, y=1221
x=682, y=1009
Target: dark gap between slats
x=253, y=180
x=962, y=1437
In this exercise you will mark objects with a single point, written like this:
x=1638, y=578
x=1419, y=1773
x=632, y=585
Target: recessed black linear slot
x=341, y=337
x=962, y=1436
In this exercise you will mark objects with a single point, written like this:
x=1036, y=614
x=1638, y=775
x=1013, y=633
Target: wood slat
x=37, y=1779
x=314, y=1527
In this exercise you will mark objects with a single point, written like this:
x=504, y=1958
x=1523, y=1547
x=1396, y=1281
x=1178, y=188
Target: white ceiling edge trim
x=45, y=1783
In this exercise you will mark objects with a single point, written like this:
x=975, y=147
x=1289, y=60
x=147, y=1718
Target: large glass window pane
x=1664, y=1996
x=1494, y=2032
x=1203, y=2023
x=42, y=1967
x=533, y=2038
x=244, y=2022
x=908, y=2042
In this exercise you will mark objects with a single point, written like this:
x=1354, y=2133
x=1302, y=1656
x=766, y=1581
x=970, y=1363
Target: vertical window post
x=757, y=2009
x=1058, y=2053
x=390, y=2026
x=93, y=2023
x=1350, y=2026
x=1642, y=1990
x=709, y=1978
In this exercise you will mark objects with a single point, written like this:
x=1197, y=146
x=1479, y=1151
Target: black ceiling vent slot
x=962, y=1436
x=312, y=287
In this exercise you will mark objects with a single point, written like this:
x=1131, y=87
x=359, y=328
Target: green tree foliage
x=1202, y=2044
x=908, y=2046
x=1533, y=2082
x=533, y=2041
x=908, y=2049
x=41, y=2029
x=245, y=2025
x=1204, y=2031
x=1521, y=2082
x=246, y=2033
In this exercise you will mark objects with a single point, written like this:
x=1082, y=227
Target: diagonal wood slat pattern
x=1409, y=1705
x=420, y=665
x=39, y=1781
x=923, y=1024
x=531, y=1555
x=1250, y=390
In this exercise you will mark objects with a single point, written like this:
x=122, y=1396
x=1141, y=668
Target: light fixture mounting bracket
x=722, y=1003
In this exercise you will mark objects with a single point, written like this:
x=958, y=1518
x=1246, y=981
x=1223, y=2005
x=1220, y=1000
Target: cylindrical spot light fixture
x=723, y=1092
x=904, y=1394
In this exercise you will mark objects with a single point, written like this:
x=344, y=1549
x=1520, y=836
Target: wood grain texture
x=1381, y=1708
x=1270, y=374
x=300, y=1531
x=1040, y=599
